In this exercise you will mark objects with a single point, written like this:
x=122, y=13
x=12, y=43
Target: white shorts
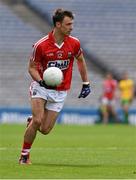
x=106, y=101
x=55, y=99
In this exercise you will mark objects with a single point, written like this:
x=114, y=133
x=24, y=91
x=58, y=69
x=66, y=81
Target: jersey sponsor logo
x=62, y=64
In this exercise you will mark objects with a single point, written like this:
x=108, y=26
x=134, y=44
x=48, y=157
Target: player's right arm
x=32, y=69
x=35, y=65
x=35, y=62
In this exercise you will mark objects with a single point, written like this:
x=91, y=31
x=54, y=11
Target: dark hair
x=59, y=15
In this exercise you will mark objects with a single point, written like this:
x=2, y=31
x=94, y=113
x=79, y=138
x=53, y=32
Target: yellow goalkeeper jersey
x=126, y=89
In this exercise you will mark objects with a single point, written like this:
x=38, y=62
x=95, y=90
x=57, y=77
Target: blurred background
x=106, y=29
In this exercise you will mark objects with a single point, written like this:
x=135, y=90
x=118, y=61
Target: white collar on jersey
x=59, y=46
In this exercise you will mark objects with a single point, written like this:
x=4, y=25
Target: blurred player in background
x=109, y=87
x=58, y=49
x=126, y=87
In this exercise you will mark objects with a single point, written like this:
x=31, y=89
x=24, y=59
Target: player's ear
x=58, y=24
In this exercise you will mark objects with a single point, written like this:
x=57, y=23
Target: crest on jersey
x=59, y=54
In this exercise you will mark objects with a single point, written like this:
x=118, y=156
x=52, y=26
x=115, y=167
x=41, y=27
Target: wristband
x=85, y=83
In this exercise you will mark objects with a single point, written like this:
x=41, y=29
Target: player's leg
x=53, y=106
x=113, y=112
x=37, y=116
x=104, y=109
x=48, y=121
x=29, y=120
x=52, y=110
x=125, y=108
x=105, y=114
x=38, y=105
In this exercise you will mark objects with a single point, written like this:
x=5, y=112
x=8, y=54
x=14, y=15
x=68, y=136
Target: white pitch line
x=71, y=148
x=3, y=148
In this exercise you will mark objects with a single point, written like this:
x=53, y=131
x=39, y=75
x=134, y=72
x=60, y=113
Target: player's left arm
x=82, y=67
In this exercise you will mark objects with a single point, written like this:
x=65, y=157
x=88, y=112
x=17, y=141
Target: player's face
x=125, y=76
x=109, y=76
x=66, y=26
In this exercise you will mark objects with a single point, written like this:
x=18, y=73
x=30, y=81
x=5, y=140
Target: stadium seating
x=105, y=28
x=16, y=39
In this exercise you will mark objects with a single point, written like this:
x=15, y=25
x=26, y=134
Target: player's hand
x=85, y=91
x=42, y=83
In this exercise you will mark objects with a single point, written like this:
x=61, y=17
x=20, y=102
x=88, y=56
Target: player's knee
x=36, y=123
x=45, y=131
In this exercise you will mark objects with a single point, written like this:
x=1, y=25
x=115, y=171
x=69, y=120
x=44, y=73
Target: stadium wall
x=67, y=116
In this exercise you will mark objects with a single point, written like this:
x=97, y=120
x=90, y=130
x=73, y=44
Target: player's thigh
x=38, y=105
x=49, y=119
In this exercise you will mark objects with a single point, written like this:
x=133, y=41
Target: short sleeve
x=77, y=50
x=36, y=53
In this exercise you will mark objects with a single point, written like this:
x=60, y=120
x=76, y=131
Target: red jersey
x=46, y=53
x=109, y=87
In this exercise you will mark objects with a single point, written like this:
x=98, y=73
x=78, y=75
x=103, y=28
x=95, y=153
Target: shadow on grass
x=68, y=165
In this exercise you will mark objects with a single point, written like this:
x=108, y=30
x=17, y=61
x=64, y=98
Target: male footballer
x=58, y=49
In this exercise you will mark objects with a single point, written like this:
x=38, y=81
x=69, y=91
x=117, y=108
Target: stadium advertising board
x=67, y=116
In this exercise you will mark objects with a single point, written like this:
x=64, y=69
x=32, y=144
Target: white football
x=53, y=76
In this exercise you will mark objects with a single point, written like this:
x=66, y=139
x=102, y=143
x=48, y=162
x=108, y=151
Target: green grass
x=93, y=152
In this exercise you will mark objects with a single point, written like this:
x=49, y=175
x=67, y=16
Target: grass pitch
x=70, y=152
